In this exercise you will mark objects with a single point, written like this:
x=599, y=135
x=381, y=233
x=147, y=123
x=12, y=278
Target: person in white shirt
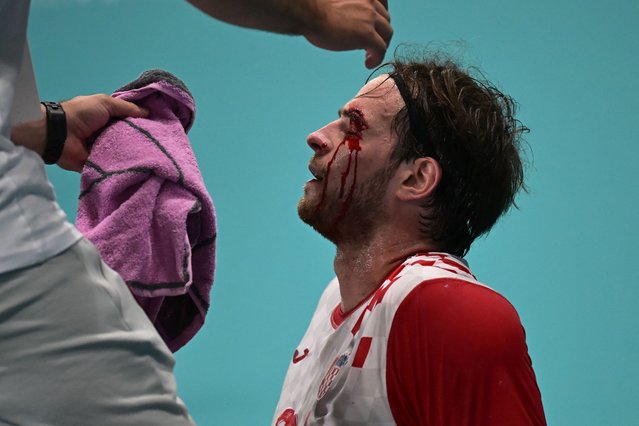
x=74, y=346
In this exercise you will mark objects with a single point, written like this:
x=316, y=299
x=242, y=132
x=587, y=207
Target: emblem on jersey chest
x=331, y=374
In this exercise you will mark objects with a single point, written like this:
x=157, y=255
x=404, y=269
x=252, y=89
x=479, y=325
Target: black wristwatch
x=56, y=132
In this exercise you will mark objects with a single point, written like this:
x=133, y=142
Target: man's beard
x=339, y=220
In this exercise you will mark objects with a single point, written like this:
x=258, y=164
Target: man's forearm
x=329, y=24
x=281, y=16
x=32, y=135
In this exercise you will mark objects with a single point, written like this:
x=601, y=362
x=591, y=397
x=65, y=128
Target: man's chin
x=315, y=219
x=307, y=211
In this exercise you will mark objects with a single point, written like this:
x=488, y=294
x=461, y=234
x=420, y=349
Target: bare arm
x=329, y=24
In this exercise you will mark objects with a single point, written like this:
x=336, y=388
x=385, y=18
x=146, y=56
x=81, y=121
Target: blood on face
x=357, y=124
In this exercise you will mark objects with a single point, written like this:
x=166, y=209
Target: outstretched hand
x=85, y=116
x=353, y=24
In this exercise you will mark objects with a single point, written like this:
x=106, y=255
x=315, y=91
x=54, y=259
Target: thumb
x=375, y=51
x=121, y=108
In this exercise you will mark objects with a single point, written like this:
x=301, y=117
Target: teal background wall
x=566, y=259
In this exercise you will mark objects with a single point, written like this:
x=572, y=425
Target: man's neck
x=362, y=267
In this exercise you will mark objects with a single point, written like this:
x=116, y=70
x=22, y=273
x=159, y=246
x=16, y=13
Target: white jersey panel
x=338, y=374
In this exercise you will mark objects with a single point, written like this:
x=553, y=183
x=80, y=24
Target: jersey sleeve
x=457, y=355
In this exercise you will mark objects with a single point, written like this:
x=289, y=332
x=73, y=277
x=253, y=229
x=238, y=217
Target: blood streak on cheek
x=354, y=148
x=352, y=142
x=326, y=176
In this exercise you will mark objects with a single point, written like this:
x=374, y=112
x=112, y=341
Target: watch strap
x=56, y=132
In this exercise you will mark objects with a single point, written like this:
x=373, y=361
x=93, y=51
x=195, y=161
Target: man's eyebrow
x=354, y=114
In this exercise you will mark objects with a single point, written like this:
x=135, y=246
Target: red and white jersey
x=431, y=346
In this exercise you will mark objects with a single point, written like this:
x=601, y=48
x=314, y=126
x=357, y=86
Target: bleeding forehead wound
x=356, y=117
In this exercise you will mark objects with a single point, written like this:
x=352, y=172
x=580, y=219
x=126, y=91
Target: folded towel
x=145, y=207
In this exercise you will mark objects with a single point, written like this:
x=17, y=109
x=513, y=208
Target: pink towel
x=145, y=207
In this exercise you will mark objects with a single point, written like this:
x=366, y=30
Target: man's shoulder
x=453, y=312
x=461, y=296
x=451, y=336
x=437, y=294
x=438, y=270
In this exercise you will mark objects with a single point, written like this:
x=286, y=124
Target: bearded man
x=421, y=162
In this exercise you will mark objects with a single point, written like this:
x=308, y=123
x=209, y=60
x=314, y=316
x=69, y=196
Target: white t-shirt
x=33, y=227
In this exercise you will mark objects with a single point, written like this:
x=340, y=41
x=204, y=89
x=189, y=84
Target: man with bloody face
x=421, y=162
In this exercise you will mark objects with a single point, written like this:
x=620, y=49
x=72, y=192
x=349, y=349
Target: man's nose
x=317, y=141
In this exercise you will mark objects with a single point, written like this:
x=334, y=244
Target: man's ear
x=419, y=179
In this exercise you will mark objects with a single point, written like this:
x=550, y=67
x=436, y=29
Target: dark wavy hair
x=468, y=126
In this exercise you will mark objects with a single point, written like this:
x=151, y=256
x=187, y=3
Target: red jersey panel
x=457, y=355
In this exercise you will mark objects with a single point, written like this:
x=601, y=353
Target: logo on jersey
x=332, y=372
x=297, y=357
x=287, y=418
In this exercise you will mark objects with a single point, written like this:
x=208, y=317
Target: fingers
x=385, y=30
x=381, y=7
x=379, y=42
x=122, y=108
x=375, y=52
x=87, y=115
x=353, y=24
